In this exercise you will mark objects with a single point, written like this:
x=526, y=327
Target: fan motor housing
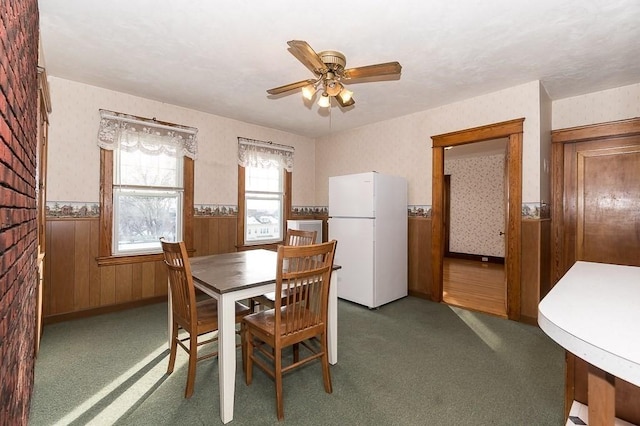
x=333, y=59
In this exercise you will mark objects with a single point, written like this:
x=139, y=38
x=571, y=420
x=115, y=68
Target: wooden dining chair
x=194, y=317
x=304, y=272
x=294, y=237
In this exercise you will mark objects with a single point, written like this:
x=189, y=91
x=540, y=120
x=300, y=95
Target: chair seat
x=208, y=312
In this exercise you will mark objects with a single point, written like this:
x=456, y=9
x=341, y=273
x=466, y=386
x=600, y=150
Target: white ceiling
x=220, y=57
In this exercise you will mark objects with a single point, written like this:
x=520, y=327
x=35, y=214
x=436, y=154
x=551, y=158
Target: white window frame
x=120, y=190
x=278, y=195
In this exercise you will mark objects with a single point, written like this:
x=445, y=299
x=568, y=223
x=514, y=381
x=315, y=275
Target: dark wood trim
x=241, y=208
x=513, y=129
x=240, y=244
x=476, y=257
x=513, y=267
x=106, y=202
x=629, y=127
x=446, y=212
x=188, y=177
x=437, y=223
x=51, y=319
x=479, y=134
x=105, y=256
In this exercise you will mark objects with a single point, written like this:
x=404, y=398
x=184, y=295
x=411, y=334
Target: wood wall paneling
x=419, y=268
x=535, y=267
x=60, y=262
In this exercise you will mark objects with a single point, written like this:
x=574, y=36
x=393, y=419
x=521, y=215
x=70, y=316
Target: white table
x=237, y=276
x=594, y=312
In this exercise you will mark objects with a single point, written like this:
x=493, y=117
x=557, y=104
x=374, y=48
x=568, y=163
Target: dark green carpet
x=411, y=362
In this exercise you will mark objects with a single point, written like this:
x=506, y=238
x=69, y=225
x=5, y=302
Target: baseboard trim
x=85, y=313
x=528, y=320
x=476, y=257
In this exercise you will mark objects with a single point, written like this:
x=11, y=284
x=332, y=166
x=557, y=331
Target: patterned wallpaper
x=477, y=205
x=74, y=157
x=402, y=146
x=399, y=146
x=599, y=107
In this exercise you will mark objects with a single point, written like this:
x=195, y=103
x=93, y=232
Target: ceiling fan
x=328, y=67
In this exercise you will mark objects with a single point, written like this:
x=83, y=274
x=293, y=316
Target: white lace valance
x=148, y=135
x=264, y=154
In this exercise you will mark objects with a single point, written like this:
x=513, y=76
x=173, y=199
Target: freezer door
x=352, y=195
x=354, y=252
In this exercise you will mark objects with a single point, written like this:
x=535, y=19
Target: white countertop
x=594, y=313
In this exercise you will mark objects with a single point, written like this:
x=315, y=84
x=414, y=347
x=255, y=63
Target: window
x=264, y=204
x=147, y=200
x=146, y=185
x=264, y=185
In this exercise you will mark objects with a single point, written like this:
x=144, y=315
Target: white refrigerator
x=368, y=218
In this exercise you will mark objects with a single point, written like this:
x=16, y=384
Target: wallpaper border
x=79, y=209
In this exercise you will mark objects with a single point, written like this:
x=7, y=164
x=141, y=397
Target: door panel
x=608, y=192
x=602, y=201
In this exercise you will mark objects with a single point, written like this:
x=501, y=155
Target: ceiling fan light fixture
x=345, y=94
x=308, y=91
x=324, y=101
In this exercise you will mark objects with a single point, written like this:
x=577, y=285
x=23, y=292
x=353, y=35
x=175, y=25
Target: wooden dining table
x=232, y=277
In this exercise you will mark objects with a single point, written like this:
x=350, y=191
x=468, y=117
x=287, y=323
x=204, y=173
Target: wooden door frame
x=513, y=130
x=560, y=263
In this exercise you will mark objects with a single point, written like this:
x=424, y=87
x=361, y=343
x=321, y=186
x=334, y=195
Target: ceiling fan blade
x=350, y=102
x=287, y=87
x=305, y=54
x=388, y=68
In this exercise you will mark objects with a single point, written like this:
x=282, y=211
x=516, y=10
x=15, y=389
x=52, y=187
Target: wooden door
x=596, y=218
x=608, y=201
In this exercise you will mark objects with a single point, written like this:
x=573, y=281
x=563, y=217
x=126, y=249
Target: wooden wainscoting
x=536, y=267
x=75, y=286
x=214, y=234
x=419, y=241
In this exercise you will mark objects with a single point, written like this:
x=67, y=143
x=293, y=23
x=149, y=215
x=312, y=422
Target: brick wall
x=18, y=228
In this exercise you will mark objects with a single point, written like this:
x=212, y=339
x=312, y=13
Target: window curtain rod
x=266, y=144
x=133, y=119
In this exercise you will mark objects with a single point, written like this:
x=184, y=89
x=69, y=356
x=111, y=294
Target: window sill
x=138, y=258
x=270, y=246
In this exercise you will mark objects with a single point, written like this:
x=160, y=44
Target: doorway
x=474, y=222
x=513, y=131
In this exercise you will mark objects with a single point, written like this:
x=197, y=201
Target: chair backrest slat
x=183, y=297
x=304, y=274
x=299, y=237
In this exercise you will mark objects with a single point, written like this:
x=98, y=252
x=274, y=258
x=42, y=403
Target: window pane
x=263, y=220
x=259, y=179
x=139, y=168
x=142, y=217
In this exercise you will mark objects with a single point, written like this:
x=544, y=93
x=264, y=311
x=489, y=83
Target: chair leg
x=296, y=352
x=278, y=380
x=243, y=345
x=248, y=357
x=191, y=372
x=326, y=373
x=174, y=347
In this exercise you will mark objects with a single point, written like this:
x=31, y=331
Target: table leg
x=332, y=326
x=169, y=315
x=226, y=355
x=601, y=397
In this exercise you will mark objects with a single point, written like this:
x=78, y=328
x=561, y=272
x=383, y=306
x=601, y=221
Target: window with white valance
x=146, y=180
x=265, y=180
